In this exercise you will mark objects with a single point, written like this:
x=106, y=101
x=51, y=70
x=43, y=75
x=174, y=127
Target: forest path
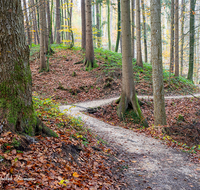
x=151, y=164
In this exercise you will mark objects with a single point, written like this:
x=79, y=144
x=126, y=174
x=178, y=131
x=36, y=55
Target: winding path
x=152, y=165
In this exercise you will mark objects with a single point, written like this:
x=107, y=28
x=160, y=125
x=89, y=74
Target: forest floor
x=79, y=159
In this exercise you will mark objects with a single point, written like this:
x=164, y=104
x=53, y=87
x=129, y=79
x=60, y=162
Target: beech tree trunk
x=172, y=39
x=89, y=57
x=58, y=40
x=157, y=68
x=108, y=23
x=192, y=33
x=138, y=35
x=144, y=32
x=128, y=95
x=16, y=105
x=182, y=33
x=27, y=24
x=83, y=42
x=118, y=25
x=50, y=34
x=43, y=65
x=176, y=23
x=133, y=28
x=98, y=25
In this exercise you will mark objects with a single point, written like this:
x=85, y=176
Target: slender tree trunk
x=27, y=24
x=43, y=65
x=157, y=68
x=108, y=23
x=58, y=40
x=133, y=28
x=98, y=25
x=192, y=34
x=172, y=39
x=31, y=21
x=83, y=24
x=16, y=106
x=118, y=25
x=182, y=33
x=45, y=28
x=144, y=32
x=176, y=23
x=128, y=95
x=138, y=35
x=89, y=57
x=49, y=23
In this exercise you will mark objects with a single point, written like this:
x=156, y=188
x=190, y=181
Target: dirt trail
x=151, y=164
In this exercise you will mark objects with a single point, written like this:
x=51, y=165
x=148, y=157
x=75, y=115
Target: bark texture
x=118, y=25
x=43, y=65
x=182, y=33
x=176, y=23
x=98, y=25
x=27, y=23
x=128, y=95
x=58, y=40
x=133, y=28
x=138, y=35
x=157, y=68
x=192, y=33
x=172, y=39
x=144, y=32
x=16, y=106
x=50, y=34
x=89, y=57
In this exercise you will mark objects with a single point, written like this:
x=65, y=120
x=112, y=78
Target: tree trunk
x=27, y=24
x=58, y=40
x=133, y=28
x=83, y=24
x=16, y=105
x=176, y=23
x=182, y=33
x=108, y=23
x=128, y=95
x=118, y=25
x=157, y=68
x=89, y=57
x=192, y=33
x=98, y=25
x=49, y=24
x=144, y=32
x=43, y=65
x=138, y=35
x=172, y=40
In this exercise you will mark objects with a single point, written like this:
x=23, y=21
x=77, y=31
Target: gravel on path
x=151, y=164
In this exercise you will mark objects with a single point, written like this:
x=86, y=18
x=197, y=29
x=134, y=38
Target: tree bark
x=172, y=39
x=133, y=28
x=108, y=23
x=50, y=34
x=118, y=25
x=176, y=23
x=182, y=33
x=83, y=24
x=128, y=95
x=43, y=65
x=16, y=105
x=157, y=68
x=98, y=25
x=89, y=57
x=192, y=33
x=138, y=35
x=144, y=32
x=27, y=24
x=58, y=40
